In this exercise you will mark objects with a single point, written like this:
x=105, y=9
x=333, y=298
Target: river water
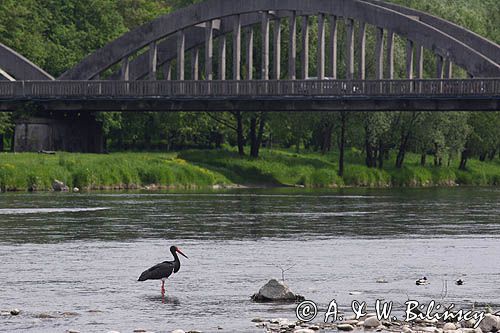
x=71, y=261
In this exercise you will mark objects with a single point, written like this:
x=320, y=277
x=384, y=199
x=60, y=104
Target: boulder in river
x=15, y=312
x=490, y=323
x=371, y=322
x=59, y=186
x=276, y=291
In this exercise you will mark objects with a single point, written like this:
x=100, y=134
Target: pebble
x=72, y=331
x=345, y=327
x=139, y=330
x=44, y=315
x=382, y=281
x=257, y=320
x=303, y=330
x=490, y=323
x=15, y=312
x=449, y=327
x=353, y=322
x=194, y=331
x=76, y=189
x=371, y=322
x=178, y=331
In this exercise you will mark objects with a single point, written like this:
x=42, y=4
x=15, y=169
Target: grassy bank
x=198, y=169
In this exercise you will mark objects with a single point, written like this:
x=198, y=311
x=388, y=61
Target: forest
x=57, y=34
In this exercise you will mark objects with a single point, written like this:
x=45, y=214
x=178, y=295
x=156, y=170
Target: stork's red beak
x=178, y=250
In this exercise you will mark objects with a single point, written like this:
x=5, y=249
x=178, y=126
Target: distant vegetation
x=56, y=34
x=206, y=169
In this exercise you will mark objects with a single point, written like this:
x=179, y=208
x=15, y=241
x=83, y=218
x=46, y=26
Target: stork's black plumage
x=163, y=270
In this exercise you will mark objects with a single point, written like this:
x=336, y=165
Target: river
x=71, y=261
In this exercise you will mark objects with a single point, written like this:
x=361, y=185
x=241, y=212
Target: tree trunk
x=343, y=117
x=482, y=157
x=402, y=150
x=326, y=144
x=492, y=154
x=239, y=133
x=463, y=160
x=254, y=151
x=381, y=154
x=1, y=143
x=423, y=159
x=260, y=134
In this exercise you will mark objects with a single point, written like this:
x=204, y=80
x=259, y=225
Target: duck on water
x=163, y=270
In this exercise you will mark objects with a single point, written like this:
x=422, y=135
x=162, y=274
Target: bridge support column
x=350, y=49
x=125, y=71
x=195, y=64
x=181, y=42
x=439, y=66
x=390, y=55
x=292, y=48
x=333, y=46
x=448, y=69
x=277, y=49
x=74, y=133
x=362, y=50
x=419, y=59
x=249, y=53
x=321, y=47
x=237, y=48
x=209, y=50
x=222, y=57
x=409, y=59
x=167, y=71
x=305, y=47
x=379, y=54
x=153, y=60
x=265, y=46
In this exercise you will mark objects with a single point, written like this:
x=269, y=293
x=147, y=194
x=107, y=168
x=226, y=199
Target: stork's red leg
x=162, y=291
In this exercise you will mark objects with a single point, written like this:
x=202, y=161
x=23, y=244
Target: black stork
x=163, y=270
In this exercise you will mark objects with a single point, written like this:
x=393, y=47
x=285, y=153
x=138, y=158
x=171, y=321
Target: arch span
x=444, y=39
x=16, y=67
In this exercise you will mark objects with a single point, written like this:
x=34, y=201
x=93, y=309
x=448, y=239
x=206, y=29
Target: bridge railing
x=326, y=88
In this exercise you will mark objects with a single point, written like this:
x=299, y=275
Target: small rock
x=194, y=331
x=59, y=186
x=371, y=322
x=70, y=314
x=76, y=189
x=353, y=322
x=449, y=327
x=314, y=327
x=406, y=329
x=490, y=323
x=72, y=331
x=303, y=330
x=382, y=281
x=355, y=293
x=345, y=327
x=178, y=331
x=257, y=320
x=139, y=330
x=15, y=312
x=44, y=315
x=275, y=290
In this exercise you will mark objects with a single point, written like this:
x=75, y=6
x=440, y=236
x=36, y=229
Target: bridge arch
x=170, y=36
x=14, y=66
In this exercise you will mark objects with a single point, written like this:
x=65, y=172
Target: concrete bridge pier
x=73, y=132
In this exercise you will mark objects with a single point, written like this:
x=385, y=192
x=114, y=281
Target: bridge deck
x=282, y=95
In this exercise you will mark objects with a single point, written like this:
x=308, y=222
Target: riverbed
x=71, y=261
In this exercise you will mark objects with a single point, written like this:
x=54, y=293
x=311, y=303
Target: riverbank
x=222, y=168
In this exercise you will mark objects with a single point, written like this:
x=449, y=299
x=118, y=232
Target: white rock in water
x=275, y=290
x=304, y=330
x=371, y=322
x=178, y=331
x=76, y=189
x=345, y=327
x=490, y=323
x=15, y=312
x=449, y=327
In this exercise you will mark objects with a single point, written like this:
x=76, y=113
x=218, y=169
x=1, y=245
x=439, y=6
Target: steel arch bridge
x=135, y=72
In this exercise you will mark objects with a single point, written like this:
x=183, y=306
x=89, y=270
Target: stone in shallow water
x=371, y=322
x=490, y=323
x=15, y=312
x=345, y=327
x=304, y=330
x=276, y=291
x=178, y=331
x=449, y=327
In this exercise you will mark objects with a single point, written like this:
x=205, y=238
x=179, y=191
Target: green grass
x=91, y=171
x=206, y=168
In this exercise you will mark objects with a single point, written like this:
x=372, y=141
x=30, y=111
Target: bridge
x=272, y=95
x=240, y=55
